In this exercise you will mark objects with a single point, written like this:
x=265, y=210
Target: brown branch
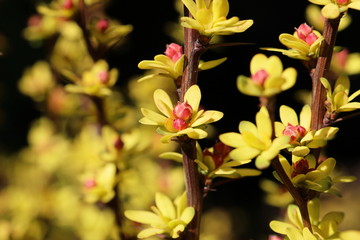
x=300, y=200
x=322, y=70
x=194, y=47
x=83, y=26
x=194, y=187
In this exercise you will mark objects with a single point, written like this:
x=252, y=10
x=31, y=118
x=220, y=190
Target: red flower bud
x=102, y=25
x=118, y=144
x=183, y=111
x=173, y=51
x=179, y=124
x=220, y=152
x=68, y=4
x=294, y=132
x=260, y=77
x=342, y=2
x=301, y=167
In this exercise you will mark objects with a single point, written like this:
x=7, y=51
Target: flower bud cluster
x=174, y=51
x=295, y=133
x=182, y=113
x=305, y=33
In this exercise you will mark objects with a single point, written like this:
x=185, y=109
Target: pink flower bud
x=275, y=237
x=260, y=77
x=173, y=51
x=179, y=124
x=90, y=183
x=342, y=2
x=294, y=132
x=68, y=4
x=311, y=38
x=305, y=33
x=102, y=25
x=341, y=57
x=183, y=111
x=103, y=76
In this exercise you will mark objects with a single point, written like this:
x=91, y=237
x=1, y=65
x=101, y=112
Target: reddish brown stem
x=322, y=70
x=194, y=187
x=300, y=200
x=194, y=47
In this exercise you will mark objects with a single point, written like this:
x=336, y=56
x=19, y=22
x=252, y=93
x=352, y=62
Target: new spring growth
x=303, y=44
x=302, y=138
x=324, y=227
x=185, y=118
x=168, y=218
x=210, y=18
x=255, y=141
x=304, y=172
x=170, y=65
x=268, y=77
x=96, y=81
x=215, y=162
x=333, y=8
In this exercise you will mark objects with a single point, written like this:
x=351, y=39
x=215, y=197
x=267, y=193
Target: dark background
x=271, y=18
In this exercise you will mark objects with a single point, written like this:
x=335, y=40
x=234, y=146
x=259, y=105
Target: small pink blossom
x=275, y=237
x=179, y=124
x=294, y=132
x=174, y=51
x=90, y=183
x=260, y=77
x=103, y=76
x=102, y=25
x=68, y=4
x=341, y=57
x=183, y=111
x=342, y=2
x=305, y=33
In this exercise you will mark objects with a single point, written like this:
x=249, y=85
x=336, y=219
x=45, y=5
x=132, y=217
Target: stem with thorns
x=194, y=47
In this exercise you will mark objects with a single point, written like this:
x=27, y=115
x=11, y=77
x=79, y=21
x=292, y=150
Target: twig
x=322, y=70
x=300, y=200
x=194, y=47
